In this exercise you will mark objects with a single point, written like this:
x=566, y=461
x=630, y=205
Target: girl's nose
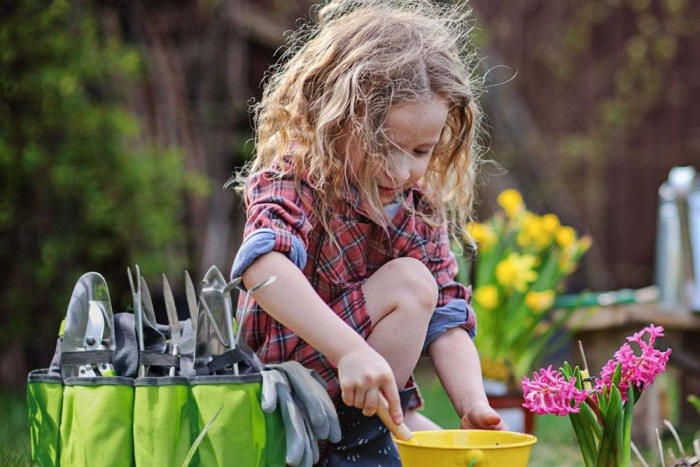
x=403, y=169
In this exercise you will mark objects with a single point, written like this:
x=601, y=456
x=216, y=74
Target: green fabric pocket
x=241, y=434
x=96, y=422
x=44, y=399
x=119, y=421
x=162, y=427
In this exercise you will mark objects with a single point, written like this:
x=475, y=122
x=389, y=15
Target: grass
x=14, y=429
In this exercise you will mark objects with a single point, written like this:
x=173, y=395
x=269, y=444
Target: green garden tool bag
x=110, y=396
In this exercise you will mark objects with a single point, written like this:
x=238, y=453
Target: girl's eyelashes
x=422, y=152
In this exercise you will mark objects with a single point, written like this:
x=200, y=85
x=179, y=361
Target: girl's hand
x=482, y=416
x=364, y=374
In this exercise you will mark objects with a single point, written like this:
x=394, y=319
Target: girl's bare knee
x=414, y=282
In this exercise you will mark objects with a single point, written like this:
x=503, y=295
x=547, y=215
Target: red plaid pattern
x=337, y=270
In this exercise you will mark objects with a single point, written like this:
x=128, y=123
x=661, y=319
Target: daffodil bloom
x=540, y=301
x=565, y=236
x=536, y=232
x=512, y=202
x=487, y=296
x=517, y=271
x=571, y=253
x=483, y=235
x=550, y=223
x=522, y=262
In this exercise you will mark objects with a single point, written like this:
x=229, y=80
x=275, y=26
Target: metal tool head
x=212, y=313
x=95, y=328
x=90, y=286
x=153, y=337
x=171, y=311
x=214, y=318
x=89, y=313
x=191, y=294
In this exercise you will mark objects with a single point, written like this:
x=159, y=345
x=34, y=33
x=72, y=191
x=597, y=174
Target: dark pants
x=366, y=441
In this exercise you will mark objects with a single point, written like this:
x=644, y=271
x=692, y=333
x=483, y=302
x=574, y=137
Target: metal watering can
x=678, y=240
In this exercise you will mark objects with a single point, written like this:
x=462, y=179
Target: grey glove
x=301, y=445
x=310, y=391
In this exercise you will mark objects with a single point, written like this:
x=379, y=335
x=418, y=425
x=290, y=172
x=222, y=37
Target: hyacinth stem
x=592, y=418
x=626, y=446
x=609, y=452
x=584, y=435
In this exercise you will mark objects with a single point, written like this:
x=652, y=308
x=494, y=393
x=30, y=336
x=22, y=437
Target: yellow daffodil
x=535, y=232
x=540, y=301
x=486, y=296
x=522, y=262
x=550, y=223
x=565, y=236
x=516, y=271
x=512, y=202
x=483, y=235
x=571, y=254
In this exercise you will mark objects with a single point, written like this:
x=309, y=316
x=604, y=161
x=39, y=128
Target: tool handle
x=400, y=431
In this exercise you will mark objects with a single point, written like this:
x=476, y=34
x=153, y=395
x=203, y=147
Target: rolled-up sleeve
x=276, y=221
x=454, y=299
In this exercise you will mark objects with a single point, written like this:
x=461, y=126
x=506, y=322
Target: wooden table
x=603, y=330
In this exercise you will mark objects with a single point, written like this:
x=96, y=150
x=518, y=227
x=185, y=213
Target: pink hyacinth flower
x=549, y=392
x=637, y=370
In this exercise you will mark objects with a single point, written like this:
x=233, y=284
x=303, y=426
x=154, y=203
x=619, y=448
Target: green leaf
x=626, y=441
x=612, y=429
x=584, y=436
x=591, y=421
x=695, y=402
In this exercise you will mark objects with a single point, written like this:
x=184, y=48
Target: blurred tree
x=81, y=188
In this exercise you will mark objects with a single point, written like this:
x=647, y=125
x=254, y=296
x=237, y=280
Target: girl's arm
x=456, y=364
x=291, y=300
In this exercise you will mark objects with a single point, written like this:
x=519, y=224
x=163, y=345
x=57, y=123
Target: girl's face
x=414, y=128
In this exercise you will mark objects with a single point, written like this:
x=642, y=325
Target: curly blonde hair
x=342, y=74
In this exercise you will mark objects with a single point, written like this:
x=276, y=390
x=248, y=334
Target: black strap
x=159, y=359
x=220, y=362
x=87, y=357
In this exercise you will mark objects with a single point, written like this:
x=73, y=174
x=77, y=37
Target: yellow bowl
x=466, y=448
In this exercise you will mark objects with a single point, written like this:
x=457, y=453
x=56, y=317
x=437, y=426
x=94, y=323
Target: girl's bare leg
x=401, y=297
x=418, y=422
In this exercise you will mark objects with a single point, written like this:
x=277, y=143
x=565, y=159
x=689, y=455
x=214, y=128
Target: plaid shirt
x=279, y=219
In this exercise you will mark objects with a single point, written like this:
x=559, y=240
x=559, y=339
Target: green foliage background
x=80, y=187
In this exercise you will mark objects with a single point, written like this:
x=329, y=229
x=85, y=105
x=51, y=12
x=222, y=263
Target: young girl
x=366, y=150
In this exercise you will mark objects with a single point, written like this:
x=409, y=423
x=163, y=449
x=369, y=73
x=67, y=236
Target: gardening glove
x=300, y=443
x=310, y=391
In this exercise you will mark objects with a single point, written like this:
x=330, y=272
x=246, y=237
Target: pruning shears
x=94, y=340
